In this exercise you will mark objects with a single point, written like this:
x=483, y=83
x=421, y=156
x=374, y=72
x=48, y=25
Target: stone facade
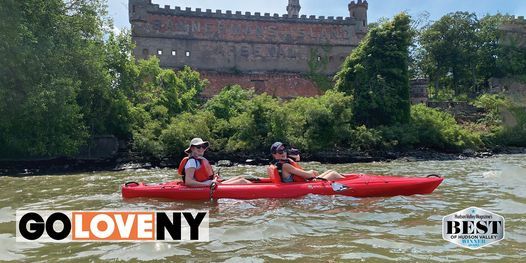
x=419, y=91
x=514, y=88
x=281, y=49
x=514, y=32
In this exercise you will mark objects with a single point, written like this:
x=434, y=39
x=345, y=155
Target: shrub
x=315, y=123
x=182, y=128
x=437, y=129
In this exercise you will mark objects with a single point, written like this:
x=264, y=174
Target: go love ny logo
x=114, y=226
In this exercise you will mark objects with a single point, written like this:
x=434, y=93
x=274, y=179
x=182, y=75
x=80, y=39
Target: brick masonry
x=268, y=52
x=279, y=85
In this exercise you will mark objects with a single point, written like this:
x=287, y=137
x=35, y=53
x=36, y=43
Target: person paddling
x=290, y=171
x=197, y=171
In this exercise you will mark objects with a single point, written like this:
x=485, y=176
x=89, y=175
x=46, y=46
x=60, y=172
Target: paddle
x=213, y=187
x=337, y=187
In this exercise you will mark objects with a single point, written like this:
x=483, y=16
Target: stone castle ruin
x=270, y=52
x=514, y=32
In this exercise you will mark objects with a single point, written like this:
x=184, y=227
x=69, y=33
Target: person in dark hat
x=290, y=171
x=197, y=171
x=294, y=154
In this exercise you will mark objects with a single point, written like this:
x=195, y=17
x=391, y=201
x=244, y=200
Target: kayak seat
x=273, y=174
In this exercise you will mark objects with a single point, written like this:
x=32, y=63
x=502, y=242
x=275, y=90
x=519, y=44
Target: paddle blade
x=337, y=187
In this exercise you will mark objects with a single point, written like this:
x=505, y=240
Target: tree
x=376, y=74
x=157, y=96
x=510, y=55
x=315, y=123
x=49, y=55
x=450, y=56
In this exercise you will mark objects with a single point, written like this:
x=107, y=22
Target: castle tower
x=138, y=10
x=293, y=9
x=358, y=11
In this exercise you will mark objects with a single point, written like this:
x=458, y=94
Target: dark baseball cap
x=293, y=151
x=275, y=146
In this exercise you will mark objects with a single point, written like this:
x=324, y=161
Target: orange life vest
x=279, y=165
x=202, y=174
x=296, y=178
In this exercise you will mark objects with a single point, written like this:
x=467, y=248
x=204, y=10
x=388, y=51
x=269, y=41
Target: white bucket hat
x=196, y=141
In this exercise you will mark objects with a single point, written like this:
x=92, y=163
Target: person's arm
x=295, y=171
x=190, y=169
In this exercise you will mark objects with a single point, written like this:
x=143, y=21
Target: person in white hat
x=197, y=171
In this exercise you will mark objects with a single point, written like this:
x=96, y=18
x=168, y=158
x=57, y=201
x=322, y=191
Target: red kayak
x=356, y=185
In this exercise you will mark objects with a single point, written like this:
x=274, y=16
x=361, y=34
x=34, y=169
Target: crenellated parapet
x=140, y=8
x=518, y=20
x=514, y=32
x=246, y=42
x=271, y=52
x=358, y=12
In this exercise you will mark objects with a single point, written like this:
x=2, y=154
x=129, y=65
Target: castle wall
x=514, y=32
x=281, y=85
x=236, y=42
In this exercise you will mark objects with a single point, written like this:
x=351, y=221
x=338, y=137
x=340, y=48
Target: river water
x=313, y=228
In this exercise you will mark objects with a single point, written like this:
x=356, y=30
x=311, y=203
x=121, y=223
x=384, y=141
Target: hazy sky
x=118, y=9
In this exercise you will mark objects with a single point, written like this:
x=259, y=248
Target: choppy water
x=313, y=228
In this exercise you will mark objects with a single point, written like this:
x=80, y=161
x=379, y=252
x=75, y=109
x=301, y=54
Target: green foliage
x=64, y=79
x=430, y=128
x=252, y=129
x=51, y=54
x=401, y=136
x=439, y=130
x=229, y=102
x=376, y=74
x=243, y=119
x=146, y=139
x=318, y=60
x=450, y=45
x=512, y=60
x=460, y=53
x=514, y=131
x=174, y=139
x=315, y=123
x=491, y=103
x=158, y=96
x=505, y=120
x=364, y=139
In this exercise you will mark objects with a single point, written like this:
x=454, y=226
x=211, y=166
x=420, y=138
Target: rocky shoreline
x=123, y=162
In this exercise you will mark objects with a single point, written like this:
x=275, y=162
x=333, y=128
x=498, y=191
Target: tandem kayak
x=355, y=185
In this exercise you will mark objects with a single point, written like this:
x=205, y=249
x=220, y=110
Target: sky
x=118, y=9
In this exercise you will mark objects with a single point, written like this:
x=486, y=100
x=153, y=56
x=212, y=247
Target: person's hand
x=315, y=173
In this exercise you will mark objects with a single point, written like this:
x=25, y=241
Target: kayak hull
x=355, y=185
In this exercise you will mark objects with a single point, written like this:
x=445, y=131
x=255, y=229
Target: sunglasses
x=200, y=146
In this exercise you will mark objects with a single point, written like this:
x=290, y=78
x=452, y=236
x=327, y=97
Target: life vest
x=279, y=166
x=202, y=174
x=273, y=174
